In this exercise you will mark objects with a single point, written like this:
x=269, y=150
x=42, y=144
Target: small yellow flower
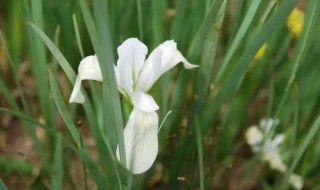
x=295, y=22
x=261, y=52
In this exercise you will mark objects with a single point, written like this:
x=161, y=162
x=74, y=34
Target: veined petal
x=132, y=54
x=168, y=56
x=141, y=140
x=144, y=102
x=89, y=69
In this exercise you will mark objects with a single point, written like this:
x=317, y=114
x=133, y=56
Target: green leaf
x=57, y=171
x=56, y=52
x=2, y=185
x=236, y=77
x=62, y=108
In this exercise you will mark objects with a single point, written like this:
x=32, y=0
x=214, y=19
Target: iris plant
x=135, y=75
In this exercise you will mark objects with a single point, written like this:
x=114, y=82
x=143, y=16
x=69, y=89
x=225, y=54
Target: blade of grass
x=26, y=118
x=7, y=95
x=107, y=162
x=72, y=128
x=239, y=36
x=68, y=120
x=76, y=29
x=158, y=8
x=39, y=62
x=59, y=101
x=229, y=88
x=57, y=54
x=57, y=173
x=140, y=20
x=306, y=142
x=3, y=185
x=14, y=69
x=201, y=90
x=299, y=52
x=200, y=151
x=204, y=30
x=111, y=100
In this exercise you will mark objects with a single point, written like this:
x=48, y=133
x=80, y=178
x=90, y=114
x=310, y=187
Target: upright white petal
x=161, y=59
x=89, y=69
x=132, y=54
x=144, y=102
x=267, y=123
x=141, y=140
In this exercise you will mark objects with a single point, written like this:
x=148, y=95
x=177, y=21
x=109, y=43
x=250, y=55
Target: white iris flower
x=255, y=137
x=135, y=75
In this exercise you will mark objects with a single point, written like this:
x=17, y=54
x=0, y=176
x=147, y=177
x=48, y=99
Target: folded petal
x=144, y=102
x=132, y=54
x=141, y=140
x=168, y=56
x=89, y=69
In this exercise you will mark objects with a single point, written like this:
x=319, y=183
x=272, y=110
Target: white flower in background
x=135, y=75
x=257, y=138
x=254, y=136
x=267, y=123
x=271, y=153
x=296, y=181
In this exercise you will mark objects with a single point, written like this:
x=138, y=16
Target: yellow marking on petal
x=261, y=52
x=295, y=22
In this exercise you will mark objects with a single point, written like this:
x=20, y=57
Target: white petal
x=132, y=54
x=150, y=71
x=169, y=57
x=254, y=136
x=144, y=102
x=141, y=140
x=296, y=181
x=267, y=123
x=120, y=87
x=275, y=161
x=76, y=95
x=89, y=69
x=278, y=139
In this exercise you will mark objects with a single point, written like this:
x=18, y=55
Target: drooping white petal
x=89, y=69
x=132, y=54
x=141, y=140
x=144, y=102
x=168, y=56
x=76, y=95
